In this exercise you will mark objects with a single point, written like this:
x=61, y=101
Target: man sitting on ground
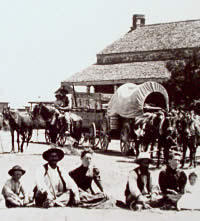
x=172, y=182
x=83, y=176
x=13, y=191
x=140, y=192
x=53, y=186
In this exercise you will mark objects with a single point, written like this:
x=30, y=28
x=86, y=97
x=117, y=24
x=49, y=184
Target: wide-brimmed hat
x=46, y=154
x=58, y=93
x=144, y=158
x=16, y=168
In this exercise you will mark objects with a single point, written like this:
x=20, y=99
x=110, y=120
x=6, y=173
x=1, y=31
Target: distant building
x=140, y=55
x=32, y=103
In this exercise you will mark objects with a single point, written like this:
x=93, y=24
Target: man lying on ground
x=13, y=191
x=53, y=186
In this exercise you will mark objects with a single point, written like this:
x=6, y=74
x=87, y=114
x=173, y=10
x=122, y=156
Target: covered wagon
x=128, y=102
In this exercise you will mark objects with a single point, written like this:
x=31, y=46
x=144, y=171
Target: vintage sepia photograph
x=99, y=110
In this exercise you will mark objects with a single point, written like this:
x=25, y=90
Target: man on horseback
x=63, y=104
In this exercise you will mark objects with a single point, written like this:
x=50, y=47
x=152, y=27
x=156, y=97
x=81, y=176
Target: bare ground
x=114, y=170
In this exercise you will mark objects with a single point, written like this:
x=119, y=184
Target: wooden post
x=115, y=88
x=88, y=89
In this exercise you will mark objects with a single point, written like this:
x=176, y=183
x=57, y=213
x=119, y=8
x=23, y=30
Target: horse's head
x=168, y=124
x=6, y=113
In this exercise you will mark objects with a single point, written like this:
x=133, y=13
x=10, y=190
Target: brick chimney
x=138, y=21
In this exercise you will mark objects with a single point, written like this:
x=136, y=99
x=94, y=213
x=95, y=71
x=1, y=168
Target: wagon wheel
x=125, y=142
x=47, y=136
x=104, y=137
x=61, y=139
x=94, y=139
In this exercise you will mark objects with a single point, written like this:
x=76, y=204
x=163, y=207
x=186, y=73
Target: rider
x=63, y=104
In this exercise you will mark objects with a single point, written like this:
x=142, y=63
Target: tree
x=184, y=85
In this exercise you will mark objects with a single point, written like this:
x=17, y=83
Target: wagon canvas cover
x=128, y=101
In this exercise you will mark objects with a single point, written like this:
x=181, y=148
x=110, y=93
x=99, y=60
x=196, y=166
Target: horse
x=45, y=114
x=158, y=129
x=20, y=122
x=57, y=123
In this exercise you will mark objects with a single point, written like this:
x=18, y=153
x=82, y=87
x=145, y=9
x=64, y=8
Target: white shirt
x=51, y=182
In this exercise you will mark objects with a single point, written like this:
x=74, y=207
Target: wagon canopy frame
x=129, y=99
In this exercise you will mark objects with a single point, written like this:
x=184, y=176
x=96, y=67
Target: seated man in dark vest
x=172, y=181
x=140, y=192
x=53, y=186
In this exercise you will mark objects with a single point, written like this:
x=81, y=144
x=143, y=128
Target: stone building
x=140, y=55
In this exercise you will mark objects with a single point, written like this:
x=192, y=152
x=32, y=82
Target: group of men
x=56, y=187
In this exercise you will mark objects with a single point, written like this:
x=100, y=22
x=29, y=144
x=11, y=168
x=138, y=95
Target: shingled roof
x=145, y=49
x=120, y=72
x=183, y=34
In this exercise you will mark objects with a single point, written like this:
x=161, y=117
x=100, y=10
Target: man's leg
x=11, y=202
x=132, y=203
x=40, y=198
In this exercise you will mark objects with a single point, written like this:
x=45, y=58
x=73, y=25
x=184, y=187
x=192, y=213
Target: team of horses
x=42, y=117
x=174, y=130
x=179, y=130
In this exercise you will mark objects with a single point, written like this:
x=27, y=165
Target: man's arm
x=162, y=182
x=97, y=178
x=70, y=184
x=132, y=182
x=182, y=182
x=40, y=183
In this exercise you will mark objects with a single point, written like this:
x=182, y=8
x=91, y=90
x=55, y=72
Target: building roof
x=183, y=34
x=133, y=72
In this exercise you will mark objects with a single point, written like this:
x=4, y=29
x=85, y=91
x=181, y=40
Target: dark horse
x=56, y=123
x=20, y=122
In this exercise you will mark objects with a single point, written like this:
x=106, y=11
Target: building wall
x=145, y=56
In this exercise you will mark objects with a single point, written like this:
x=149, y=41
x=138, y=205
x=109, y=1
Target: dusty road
x=114, y=170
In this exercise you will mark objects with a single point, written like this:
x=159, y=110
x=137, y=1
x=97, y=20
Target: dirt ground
x=114, y=171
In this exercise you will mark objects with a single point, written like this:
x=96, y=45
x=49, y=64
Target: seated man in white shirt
x=13, y=191
x=53, y=186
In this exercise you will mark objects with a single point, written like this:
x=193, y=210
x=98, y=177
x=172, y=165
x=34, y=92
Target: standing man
x=13, y=191
x=140, y=191
x=172, y=181
x=53, y=186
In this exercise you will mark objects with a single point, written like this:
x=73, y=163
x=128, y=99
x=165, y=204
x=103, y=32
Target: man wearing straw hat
x=54, y=187
x=139, y=189
x=13, y=190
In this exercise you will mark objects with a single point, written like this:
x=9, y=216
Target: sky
x=43, y=42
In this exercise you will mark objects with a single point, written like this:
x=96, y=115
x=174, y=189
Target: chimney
x=138, y=21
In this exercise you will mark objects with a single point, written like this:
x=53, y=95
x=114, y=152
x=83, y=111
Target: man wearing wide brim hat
x=139, y=189
x=54, y=187
x=13, y=191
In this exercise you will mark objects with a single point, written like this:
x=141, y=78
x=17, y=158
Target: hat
x=16, y=168
x=144, y=157
x=58, y=93
x=60, y=153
